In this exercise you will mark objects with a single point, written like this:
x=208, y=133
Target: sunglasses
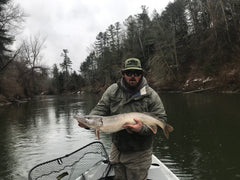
x=135, y=73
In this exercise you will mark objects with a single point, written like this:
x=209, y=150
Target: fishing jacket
x=117, y=99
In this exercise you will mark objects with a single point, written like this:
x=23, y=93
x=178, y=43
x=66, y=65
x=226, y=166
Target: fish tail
x=168, y=128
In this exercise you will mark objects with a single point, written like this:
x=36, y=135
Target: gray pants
x=130, y=166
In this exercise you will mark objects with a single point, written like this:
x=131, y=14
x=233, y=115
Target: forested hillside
x=191, y=45
x=186, y=47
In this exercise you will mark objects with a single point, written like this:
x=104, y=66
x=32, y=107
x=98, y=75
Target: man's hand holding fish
x=134, y=127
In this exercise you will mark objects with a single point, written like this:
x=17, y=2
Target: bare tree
x=31, y=52
x=31, y=55
x=10, y=59
x=11, y=17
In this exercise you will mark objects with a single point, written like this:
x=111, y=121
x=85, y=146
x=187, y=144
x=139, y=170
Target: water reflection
x=204, y=144
x=38, y=131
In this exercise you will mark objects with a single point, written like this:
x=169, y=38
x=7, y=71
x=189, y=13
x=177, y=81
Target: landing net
x=73, y=166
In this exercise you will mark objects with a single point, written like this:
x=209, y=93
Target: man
x=131, y=152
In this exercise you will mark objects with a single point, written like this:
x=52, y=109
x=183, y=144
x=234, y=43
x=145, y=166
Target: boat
x=90, y=162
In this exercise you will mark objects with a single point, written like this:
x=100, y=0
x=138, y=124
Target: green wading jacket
x=119, y=99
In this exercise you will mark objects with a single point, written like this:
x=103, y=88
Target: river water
x=204, y=144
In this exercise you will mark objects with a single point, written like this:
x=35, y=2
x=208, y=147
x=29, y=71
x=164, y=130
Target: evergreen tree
x=67, y=63
x=10, y=18
x=187, y=33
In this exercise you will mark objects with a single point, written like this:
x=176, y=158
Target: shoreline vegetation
x=190, y=47
x=193, y=85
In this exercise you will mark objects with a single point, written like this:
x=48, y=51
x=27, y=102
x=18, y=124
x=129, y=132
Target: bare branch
x=10, y=59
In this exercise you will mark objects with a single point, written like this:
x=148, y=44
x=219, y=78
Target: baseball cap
x=132, y=63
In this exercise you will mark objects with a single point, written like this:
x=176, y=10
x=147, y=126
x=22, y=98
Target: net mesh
x=71, y=166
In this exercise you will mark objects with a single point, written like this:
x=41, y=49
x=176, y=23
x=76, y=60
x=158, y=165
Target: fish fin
x=153, y=128
x=168, y=128
x=97, y=133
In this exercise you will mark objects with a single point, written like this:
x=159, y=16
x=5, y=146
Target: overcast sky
x=74, y=24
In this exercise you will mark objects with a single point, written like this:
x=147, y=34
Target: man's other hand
x=83, y=125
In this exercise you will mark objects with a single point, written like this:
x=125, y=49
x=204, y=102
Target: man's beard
x=135, y=87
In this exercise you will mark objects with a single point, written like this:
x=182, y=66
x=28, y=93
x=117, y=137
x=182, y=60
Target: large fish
x=111, y=124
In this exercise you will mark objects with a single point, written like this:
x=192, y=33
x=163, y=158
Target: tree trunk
x=225, y=20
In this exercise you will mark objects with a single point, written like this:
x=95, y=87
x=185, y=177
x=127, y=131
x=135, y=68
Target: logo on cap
x=132, y=63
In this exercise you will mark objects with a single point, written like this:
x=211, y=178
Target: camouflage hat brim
x=132, y=68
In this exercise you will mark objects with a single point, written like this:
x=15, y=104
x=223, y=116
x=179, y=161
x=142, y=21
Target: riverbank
x=12, y=100
x=189, y=87
x=227, y=81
